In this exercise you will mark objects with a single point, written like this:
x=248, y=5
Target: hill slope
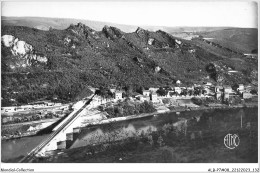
x=244, y=40
x=37, y=63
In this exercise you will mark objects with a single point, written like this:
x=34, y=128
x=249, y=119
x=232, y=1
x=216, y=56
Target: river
x=193, y=123
x=217, y=120
x=15, y=149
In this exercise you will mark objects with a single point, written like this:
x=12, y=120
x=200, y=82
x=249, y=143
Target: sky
x=152, y=13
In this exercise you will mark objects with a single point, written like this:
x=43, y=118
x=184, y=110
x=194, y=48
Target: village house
x=177, y=90
x=246, y=95
x=153, y=89
x=142, y=98
x=27, y=107
x=8, y=109
x=97, y=100
x=178, y=82
x=208, y=84
x=171, y=93
x=146, y=93
x=227, y=89
x=226, y=96
x=218, y=95
x=190, y=88
x=113, y=90
x=241, y=87
x=154, y=97
x=118, y=95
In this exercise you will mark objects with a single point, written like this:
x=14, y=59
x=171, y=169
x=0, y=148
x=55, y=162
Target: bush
x=197, y=101
x=166, y=101
x=127, y=108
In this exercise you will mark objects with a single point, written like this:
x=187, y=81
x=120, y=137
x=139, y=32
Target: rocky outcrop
x=178, y=42
x=112, y=32
x=8, y=40
x=157, y=69
x=80, y=29
x=150, y=41
x=23, y=51
x=144, y=34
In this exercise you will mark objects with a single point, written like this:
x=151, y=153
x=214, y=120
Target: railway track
x=30, y=156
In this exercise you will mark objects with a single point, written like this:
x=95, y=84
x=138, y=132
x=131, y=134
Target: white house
x=8, y=109
x=146, y=93
x=154, y=97
x=118, y=95
x=177, y=90
x=208, y=84
x=170, y=93
x=143, y=98
x=241, y=88
x=153, y=89
x=227, y=89
x=113, y=90
x=218, y=95
x=246, y=95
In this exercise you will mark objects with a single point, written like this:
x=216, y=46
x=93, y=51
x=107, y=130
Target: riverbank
x=32, y=128
x=216, y=120
x=196, y=141
x=19, y=130
x=171, y=110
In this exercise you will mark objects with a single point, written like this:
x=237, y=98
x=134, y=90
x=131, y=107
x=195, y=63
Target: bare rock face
x=178, y=41
x=150, y=41
x=21, y=48
x=8, y=40
x=112, y=32
x=157, y=69
x=23, y=51
x=139, y=30
x=81, y=30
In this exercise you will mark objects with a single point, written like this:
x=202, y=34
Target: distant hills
x=240, y=39
x=45, y=23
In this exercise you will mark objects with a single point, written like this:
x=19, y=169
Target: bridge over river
x=66, y=126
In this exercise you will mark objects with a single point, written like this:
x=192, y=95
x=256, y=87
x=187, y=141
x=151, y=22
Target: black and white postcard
x=121, y=82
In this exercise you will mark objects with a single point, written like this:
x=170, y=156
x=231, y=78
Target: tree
x=160, y=141
x=139, y=89
x=161, y=91
x=190, y=92
x=104, y=92
x=184, y=92
x=150, y=140
x=166, y=101
x=129, y=90
x=253, y=91
x=235, y=86
x=173, y=93
x=196, y=101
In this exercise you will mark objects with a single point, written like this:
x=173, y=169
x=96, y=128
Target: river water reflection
x=190, y=123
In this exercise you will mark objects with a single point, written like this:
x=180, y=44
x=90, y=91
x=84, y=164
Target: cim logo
x=231, y=141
